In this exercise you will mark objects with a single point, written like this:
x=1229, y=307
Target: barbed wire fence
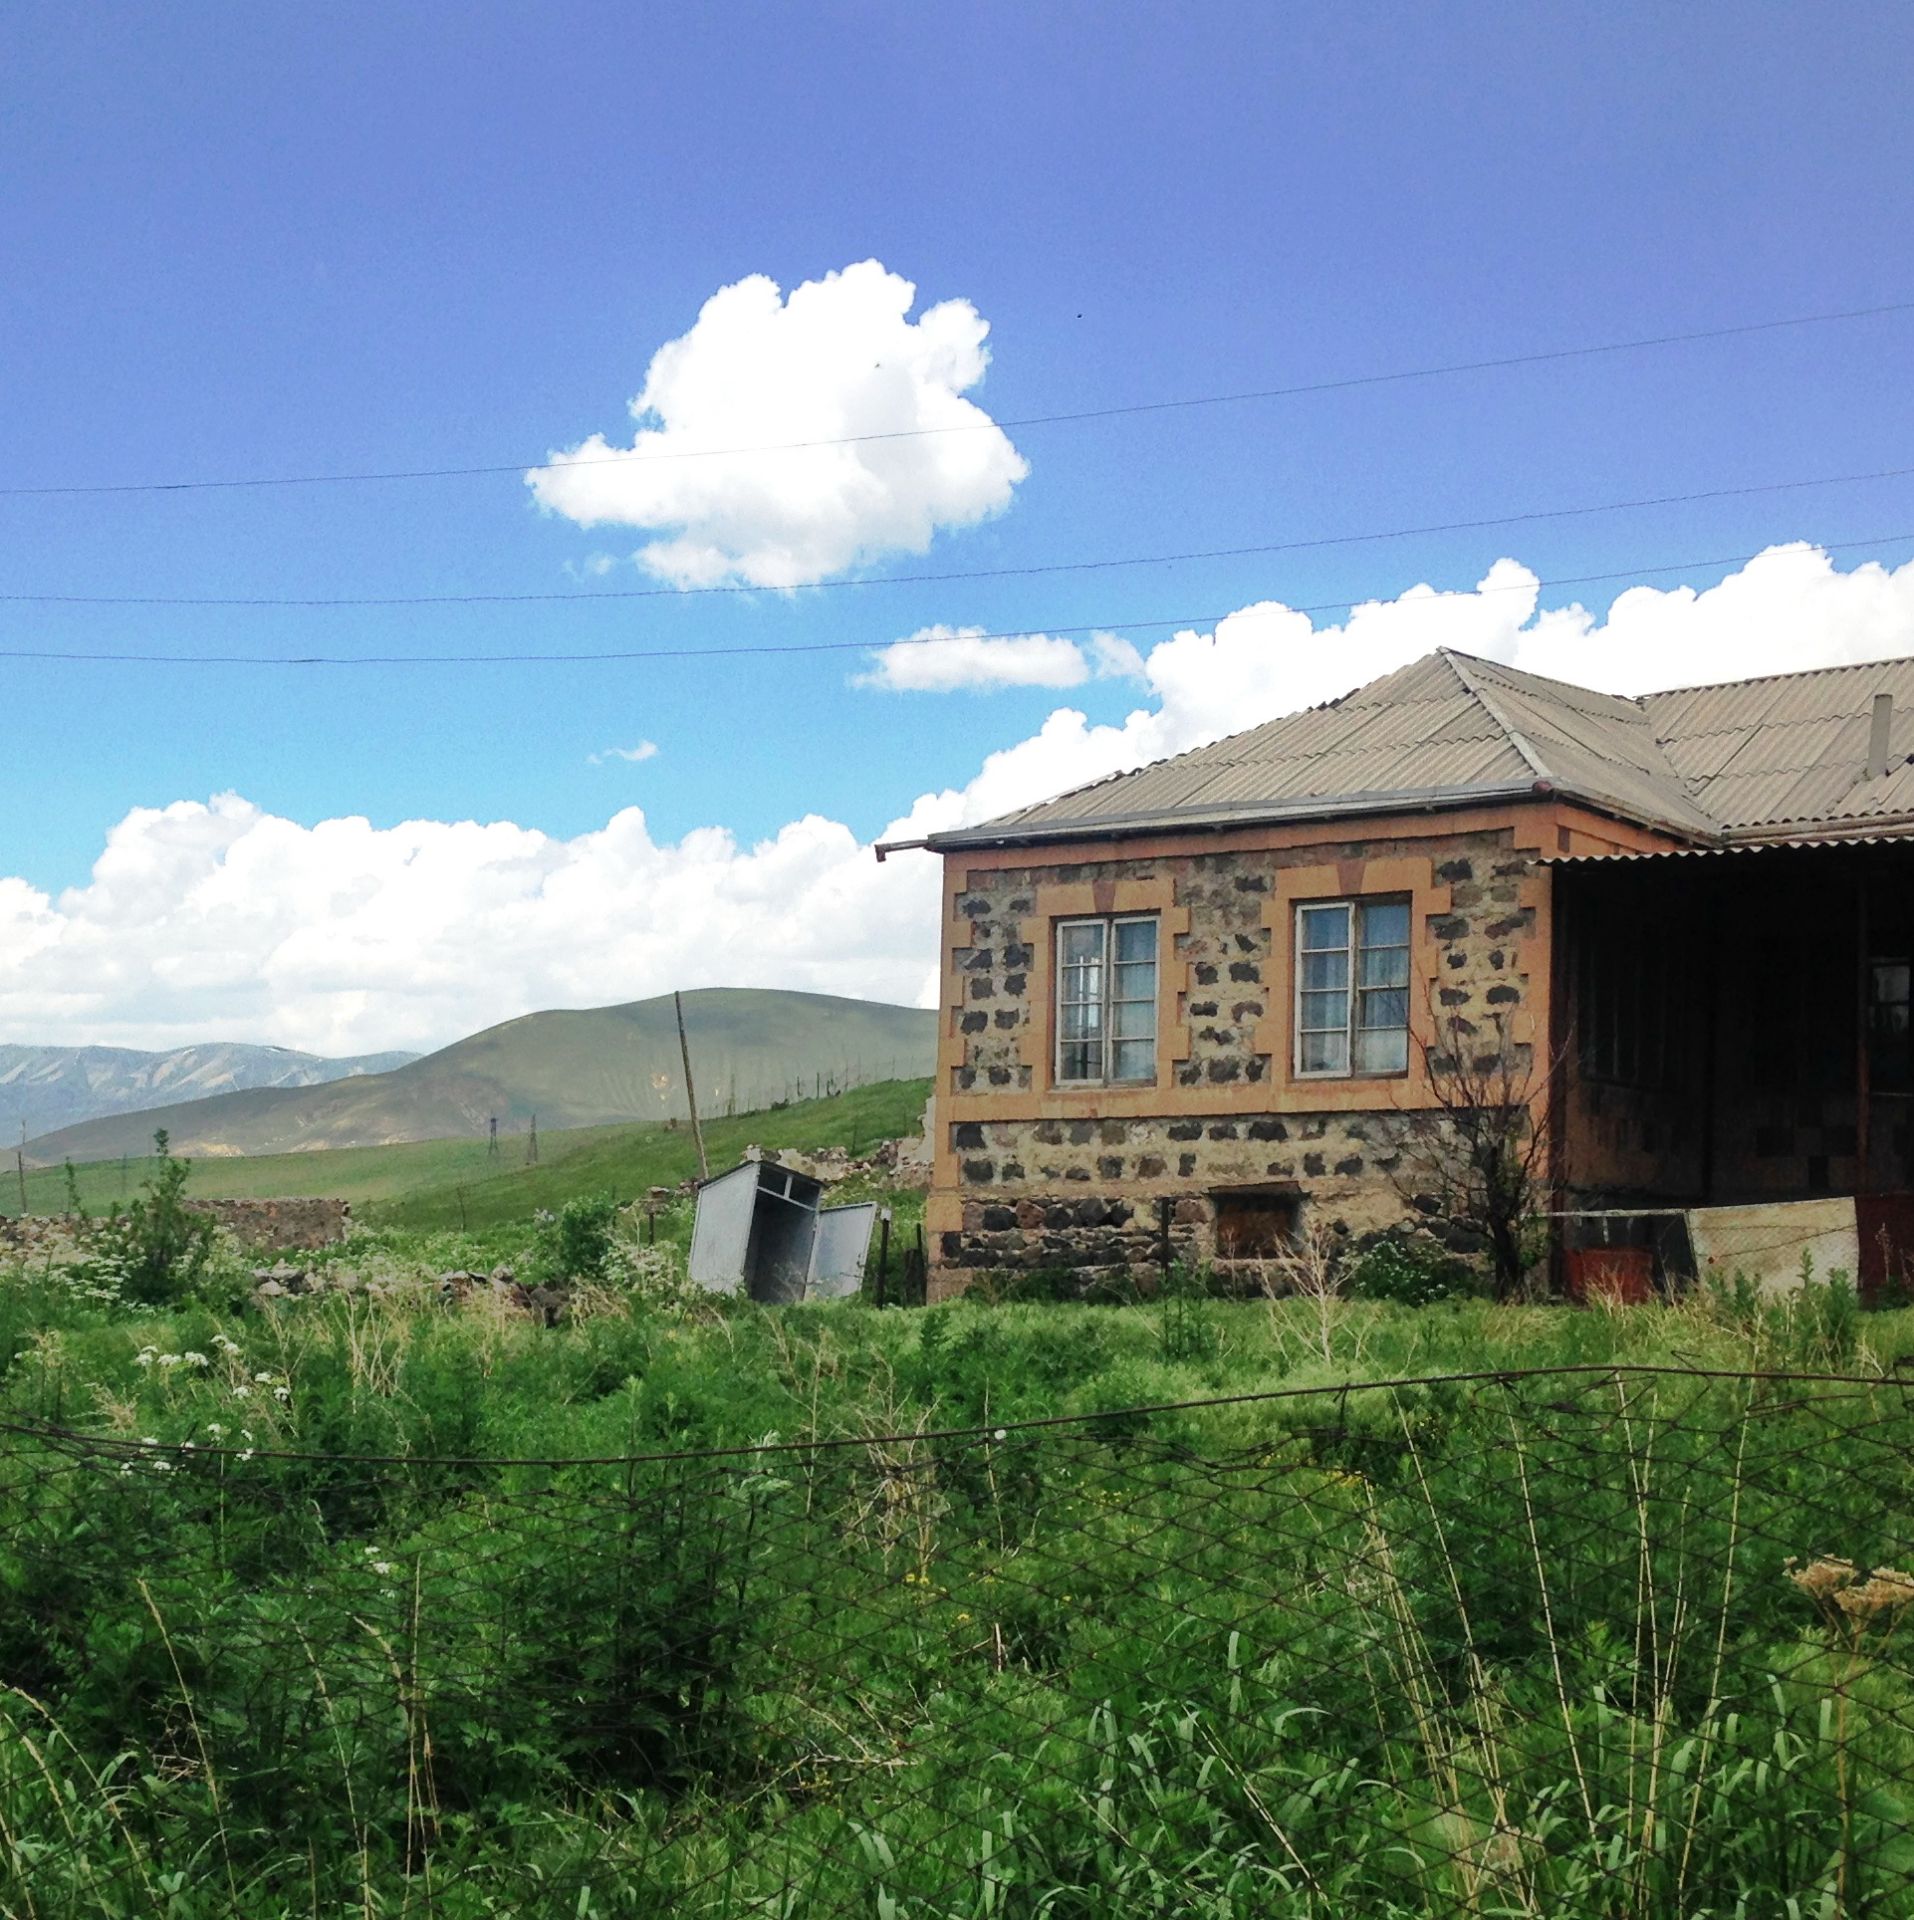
x=1589, y=1641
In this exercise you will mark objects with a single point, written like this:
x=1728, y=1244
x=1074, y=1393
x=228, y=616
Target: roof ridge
x=1516, y=738
x=1528, y=674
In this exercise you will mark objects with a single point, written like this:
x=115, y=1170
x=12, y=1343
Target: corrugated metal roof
x=1448, y=729
x=1793, y=844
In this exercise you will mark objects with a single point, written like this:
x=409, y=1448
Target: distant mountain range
x=592, y=1067
x=51, y=1087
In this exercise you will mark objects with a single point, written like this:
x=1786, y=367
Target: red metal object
x=1619, y=1276
x=1884, y=1223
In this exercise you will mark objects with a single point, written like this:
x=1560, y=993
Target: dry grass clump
x=1835, y=1585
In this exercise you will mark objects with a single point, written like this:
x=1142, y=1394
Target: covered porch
x=1730, y=1028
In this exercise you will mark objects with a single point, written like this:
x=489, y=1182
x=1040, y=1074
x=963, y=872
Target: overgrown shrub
x=158, y=1249
x=575, y=1242
x=1412, y=1273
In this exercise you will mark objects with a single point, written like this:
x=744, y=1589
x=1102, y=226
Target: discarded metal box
x=761, y=1230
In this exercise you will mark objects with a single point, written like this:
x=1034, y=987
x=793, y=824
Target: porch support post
x=1863, y=1092
x=1712, y=998
x=1557, y=1040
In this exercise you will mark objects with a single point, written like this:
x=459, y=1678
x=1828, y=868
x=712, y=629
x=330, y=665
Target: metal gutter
x=1325, y=807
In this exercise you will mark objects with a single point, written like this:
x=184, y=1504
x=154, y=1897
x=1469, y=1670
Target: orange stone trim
x=1081, y=900
x=1276, y=1031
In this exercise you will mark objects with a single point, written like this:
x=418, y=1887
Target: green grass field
x=380, y=1604
x=454, y=1183
x=392, y=1599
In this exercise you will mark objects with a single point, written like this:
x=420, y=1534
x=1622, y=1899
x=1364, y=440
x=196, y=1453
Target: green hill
x=451, y=1183
x=602, y=1066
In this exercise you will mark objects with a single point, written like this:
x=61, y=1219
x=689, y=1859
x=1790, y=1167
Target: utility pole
x=691, y=1091
x=531, y=1146
x=491, y=1146
x=20, y=1161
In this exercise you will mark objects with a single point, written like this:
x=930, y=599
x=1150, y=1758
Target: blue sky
x=243, y=241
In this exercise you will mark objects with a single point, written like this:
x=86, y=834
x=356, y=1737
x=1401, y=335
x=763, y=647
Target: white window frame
x=1352, y=906
x=1109, y=922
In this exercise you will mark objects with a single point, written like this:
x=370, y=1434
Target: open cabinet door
x=838, y=1253
x=721, y=1231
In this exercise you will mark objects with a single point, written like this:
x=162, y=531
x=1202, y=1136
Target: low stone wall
x=34, y=1233
x=275, y=1226
x=261, y=1226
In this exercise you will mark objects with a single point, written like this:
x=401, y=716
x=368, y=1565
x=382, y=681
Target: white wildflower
x=169, y=1359
x=195, y=1359
x=262, y=1379
x=147, y=1440
x=214, y=1431
x=162, y=1466
x=282, y=1393
x=145, y=1356
x=242, y=1392
x=382, y=1567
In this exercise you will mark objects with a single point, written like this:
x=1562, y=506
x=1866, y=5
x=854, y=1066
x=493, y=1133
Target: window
x=1106, y=1000
x=1352, y=987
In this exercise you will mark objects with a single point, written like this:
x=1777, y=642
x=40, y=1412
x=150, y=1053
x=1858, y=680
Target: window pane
x=1324, y=927
x=1135, y=1060
x=1382, y=1007
x=1135, y=981
x=1325, y=970
x=1082, y=941
x=1324, y=1053
x=1382, y=1051
x=1325, y=1010
x=1136, y=940
x=1081, y=983
x=1081, y=1060
x=1384, y=967
x=1891, y=981
x=1082, y=1022
x=1134, y=1019
x=1386, y=924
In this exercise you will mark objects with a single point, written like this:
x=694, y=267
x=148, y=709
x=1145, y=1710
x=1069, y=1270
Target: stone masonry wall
x=1033, y=1175
x=278, y=1226
x=262, y=1226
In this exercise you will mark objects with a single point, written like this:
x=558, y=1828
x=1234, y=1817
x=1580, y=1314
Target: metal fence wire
x=1587, y=1642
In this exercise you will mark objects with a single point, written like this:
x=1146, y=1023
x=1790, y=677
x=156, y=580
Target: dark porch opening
x=1733, y=1028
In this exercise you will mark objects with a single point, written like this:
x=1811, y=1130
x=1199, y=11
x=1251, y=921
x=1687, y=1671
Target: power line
x=1446, y=370
x=618, y=594
x=857, y=646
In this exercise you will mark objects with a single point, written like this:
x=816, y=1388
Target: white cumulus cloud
x=644, y=750
x=944, y=659
x=840, y=361
x=217, y=920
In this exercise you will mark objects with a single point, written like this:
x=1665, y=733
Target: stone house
x=1198, y=1001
